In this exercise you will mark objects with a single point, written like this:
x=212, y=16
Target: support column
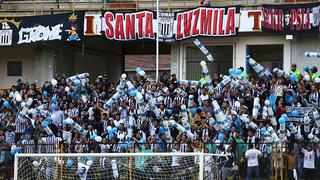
x=175, y=59
x=43, y=69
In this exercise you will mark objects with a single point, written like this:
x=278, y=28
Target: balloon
x=98, y=139
x=13, y=152
x=306, y=68
x=45, y=93
x=109, y=128
x=220, y=137
x=169, y=112
x=138, y=69
x=18, y=98
x=18, y=149
x=67, y=89
x=49, y=119
x=132, y=93
x=294, y=113
x=6, y=104
x=123, y=76
x=307, y=77
x=64, y=122
x=93, y=136
x=238, y=72
x=69, y=120
x=44, y=124
x=285, y=116
x=89, y=163
x=53, y=107
x=293, y=77
x=317, y=80
x=54, y=99
x=282, y=120
x=231, y=71
x=114, y=130
x=202, y=63
x=263, y=130
x=142, y=73
x=69, y=163
x=35, y=163
x=23, y=104
x=54, y=82
x=237, y=104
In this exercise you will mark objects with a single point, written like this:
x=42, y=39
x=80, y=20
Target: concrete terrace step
x=38, y=7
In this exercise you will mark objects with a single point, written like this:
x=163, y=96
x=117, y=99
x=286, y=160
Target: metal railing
x=41, y=7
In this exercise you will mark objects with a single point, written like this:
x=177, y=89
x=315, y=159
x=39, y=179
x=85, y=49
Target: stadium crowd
x=246, y=146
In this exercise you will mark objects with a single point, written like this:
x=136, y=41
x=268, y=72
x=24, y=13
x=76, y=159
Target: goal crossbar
x=113, y=154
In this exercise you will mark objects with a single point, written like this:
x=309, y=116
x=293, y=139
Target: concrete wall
x=99, y=65
x=178, y=53
x=300, y=46
x=64, y=60
x=26, y=55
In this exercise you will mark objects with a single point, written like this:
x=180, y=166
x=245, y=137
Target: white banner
x=250, y=21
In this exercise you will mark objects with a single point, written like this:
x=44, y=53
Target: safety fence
x=283, y=161
x=9, y=8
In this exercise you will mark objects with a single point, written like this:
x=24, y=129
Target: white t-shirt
x=203, y=98
x=175, y=159
x=117, y=123
x=252, y=155
x=66, y=135
x=308, y=159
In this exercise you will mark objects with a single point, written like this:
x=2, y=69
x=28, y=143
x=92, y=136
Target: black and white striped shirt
x=263, y=149
x=180, y=100
x=259, y=133
x=183, y=147
x=28, y=146
x=20, y=125
x=51, y=144
x=73, y=113
x=10, y=137
x=168, y=102
x=314, y=98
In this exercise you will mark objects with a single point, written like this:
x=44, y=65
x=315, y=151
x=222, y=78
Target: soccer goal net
x=119, y=166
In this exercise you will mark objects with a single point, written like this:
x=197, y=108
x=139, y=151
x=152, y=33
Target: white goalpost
x=118, y=166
